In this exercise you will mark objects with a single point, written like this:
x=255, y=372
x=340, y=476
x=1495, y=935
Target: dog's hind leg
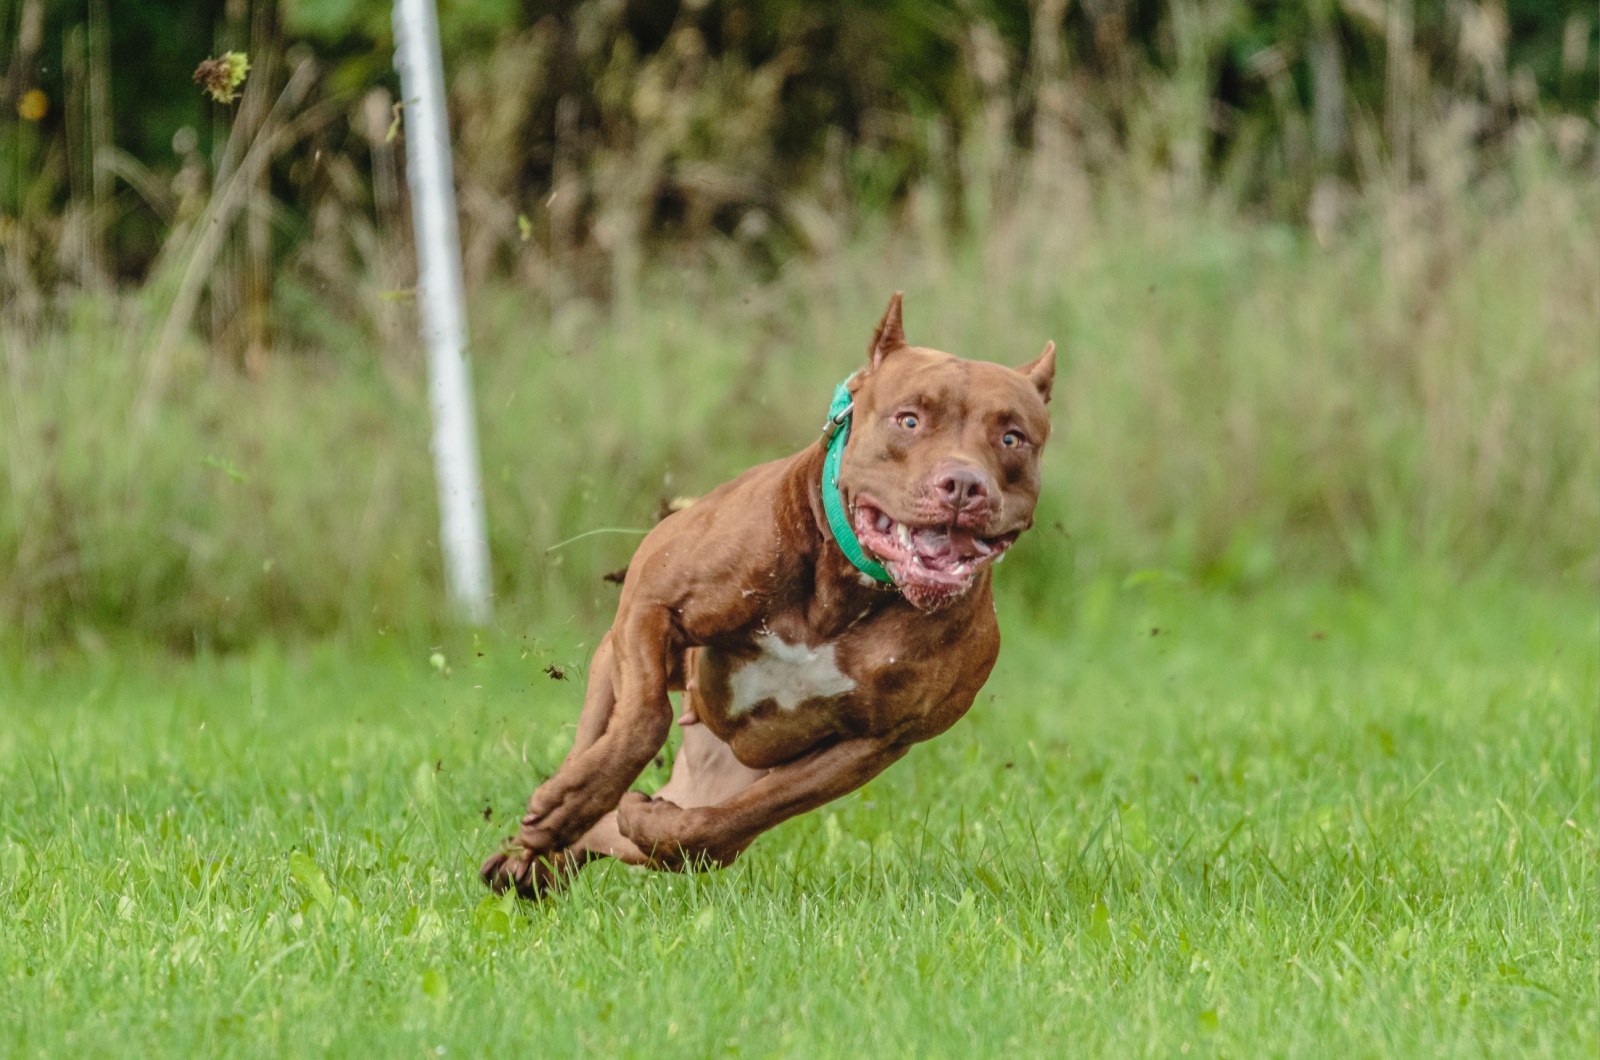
x=704, y=773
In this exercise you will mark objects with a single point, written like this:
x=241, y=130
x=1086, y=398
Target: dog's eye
x=1012, y=439
x=909, y=420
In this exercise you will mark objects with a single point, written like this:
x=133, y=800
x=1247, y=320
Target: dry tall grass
x=237, y=448
x=1239, y=403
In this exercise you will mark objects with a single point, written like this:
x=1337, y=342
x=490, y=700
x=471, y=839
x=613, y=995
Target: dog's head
x=941, y=471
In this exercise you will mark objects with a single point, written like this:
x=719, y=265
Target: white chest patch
x=787, y=674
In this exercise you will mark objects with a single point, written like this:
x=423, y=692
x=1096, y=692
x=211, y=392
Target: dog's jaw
x=932, y=565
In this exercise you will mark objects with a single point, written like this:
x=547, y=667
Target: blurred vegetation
x=620, y=131
x=1324, y=275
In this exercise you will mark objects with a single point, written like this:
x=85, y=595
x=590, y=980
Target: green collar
x=837, y=432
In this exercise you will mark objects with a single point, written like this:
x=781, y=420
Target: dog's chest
x=780, y=690
x=786, y=675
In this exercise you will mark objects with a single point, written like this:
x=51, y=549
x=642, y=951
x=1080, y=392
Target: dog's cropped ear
x=1041, y=371
x=890, y=335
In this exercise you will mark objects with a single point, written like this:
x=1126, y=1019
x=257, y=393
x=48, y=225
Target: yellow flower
x=221, y=77
x=33, y=105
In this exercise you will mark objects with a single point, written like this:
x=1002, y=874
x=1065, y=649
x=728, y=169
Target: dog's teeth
x=884, y=523
x=904, y=533
x=983, y=548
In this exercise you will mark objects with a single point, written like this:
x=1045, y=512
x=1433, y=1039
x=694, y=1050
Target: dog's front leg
x=590, y=781
x=676, y=838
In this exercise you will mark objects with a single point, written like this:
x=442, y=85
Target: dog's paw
x=656, y=828
x=506, y=869
x=531, y=876
x=535, y=837
x=670, y=836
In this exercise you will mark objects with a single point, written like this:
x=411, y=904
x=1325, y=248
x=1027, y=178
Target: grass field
x=1291, y=749
x=1300, y=822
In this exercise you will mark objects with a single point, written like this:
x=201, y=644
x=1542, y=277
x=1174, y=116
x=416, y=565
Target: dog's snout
x=961, y=488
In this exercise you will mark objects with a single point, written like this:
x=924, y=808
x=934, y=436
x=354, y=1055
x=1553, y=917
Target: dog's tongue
x=948, y=543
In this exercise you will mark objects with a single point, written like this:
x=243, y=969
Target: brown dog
x=806, y=672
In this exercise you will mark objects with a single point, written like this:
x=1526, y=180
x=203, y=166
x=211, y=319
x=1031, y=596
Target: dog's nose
x=962, y=487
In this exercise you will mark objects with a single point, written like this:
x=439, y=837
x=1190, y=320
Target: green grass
x=1300, y=822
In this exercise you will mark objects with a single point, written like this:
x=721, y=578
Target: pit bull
x=821, y=614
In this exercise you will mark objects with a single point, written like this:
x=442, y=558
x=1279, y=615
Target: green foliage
x=687, y=124
x=1237, y=406
x=1370, y=828
x=338, y=23
x=335, y=20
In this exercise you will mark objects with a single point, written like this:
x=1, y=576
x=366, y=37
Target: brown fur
x=931, y=447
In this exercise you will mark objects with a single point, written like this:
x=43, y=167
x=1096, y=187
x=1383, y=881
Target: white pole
x=463, y=537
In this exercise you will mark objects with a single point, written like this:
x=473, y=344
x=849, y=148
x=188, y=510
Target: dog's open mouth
x=932, y=565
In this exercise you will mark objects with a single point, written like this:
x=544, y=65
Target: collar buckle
x=839, y=419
